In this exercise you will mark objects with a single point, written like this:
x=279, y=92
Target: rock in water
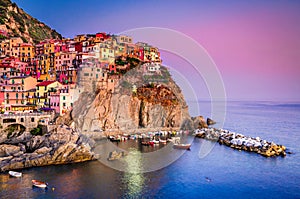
x=210, y=122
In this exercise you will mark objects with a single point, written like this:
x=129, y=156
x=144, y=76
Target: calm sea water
x=222, y=173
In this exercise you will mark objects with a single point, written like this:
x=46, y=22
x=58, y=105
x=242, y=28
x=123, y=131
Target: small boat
x=147, y=143
x=115, y=138
x=154, y=142
x=163, y=141
x=39, y=184
x=207, y=179
x=182, y=146
x=15, y=174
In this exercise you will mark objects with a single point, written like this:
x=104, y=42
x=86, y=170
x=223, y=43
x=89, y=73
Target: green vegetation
x=37, y=30
x=24, y=39
x=2, y=37
x=13, y=128
x=37, y=131
x=5, y=3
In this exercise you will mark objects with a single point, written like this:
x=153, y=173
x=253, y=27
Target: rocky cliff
x=60, y=146
x=18, y=23
x=140, y=101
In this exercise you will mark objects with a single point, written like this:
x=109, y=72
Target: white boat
x=163, y=141
x=155, y=141
x=15, y=174
x=39, y=184
x=182, y=146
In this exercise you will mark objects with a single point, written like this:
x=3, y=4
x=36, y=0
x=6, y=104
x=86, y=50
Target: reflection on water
x=133, y=178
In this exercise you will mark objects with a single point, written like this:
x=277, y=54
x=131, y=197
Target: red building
x=78, y=47
x=112, y=69
x=102, y=35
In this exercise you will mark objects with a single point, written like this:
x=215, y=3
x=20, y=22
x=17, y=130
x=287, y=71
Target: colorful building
x=43, y=89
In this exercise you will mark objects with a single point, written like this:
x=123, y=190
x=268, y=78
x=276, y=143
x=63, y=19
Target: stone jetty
x=242, y=142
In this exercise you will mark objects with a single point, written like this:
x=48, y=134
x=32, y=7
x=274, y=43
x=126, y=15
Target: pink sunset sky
x=254, y=44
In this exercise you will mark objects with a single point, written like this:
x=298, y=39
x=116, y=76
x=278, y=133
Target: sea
x=221, y=173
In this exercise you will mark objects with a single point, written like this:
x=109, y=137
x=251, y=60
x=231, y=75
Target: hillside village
x=45, y=76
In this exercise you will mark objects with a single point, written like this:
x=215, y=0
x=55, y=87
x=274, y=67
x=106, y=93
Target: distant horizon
x=254, y=44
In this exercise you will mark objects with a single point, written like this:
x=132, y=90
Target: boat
x=163, y=141
x=39, y=184
x=15, y=174
x=115, y=138
x=147, y=143
x=154, y=142
x=182, y=146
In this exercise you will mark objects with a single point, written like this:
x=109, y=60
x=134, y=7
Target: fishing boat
x=182, y=146
x=15, y=174
x=39, y=184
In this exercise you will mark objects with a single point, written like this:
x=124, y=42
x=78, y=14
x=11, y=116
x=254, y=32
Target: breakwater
x=241, y=142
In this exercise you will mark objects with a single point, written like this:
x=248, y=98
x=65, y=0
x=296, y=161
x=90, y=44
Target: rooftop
x=45, y=83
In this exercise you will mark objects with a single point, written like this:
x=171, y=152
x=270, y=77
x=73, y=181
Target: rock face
x=157, y=104
x=61, y=146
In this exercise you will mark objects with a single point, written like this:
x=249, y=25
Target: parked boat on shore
x=15, y=174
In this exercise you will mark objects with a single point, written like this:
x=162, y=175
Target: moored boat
x=15, y=174
x=39, y=184
x=154, y=141
x=182, y=146
x=147, y=143
x=163, y=141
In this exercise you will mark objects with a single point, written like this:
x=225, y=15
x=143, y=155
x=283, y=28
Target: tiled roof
x=45, y=83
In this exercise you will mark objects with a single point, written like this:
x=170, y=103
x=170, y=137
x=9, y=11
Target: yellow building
x=26, y=52
x=43, y=89
x=46, y=67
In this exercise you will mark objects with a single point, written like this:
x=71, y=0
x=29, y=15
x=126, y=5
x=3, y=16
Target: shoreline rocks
x=242, y=142
x=60, y=146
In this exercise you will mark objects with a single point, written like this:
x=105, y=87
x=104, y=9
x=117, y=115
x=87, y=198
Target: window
x=64, y=97
x=17, y=95
x=64, y=104
x=22, y=120
x=32, y=119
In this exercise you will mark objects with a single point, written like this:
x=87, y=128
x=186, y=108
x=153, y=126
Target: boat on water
x=39, y=184
x=147, y=143
x=163, y=141
x=115, y=138
x=15, y=174
x=154, y=142
x=182, y=146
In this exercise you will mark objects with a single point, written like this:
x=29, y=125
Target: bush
x=37, y=131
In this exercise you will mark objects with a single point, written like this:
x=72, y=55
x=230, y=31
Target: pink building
x=61, y=101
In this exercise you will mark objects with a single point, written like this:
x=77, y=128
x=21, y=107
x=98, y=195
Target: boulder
x=210, y=122
x=7, y=150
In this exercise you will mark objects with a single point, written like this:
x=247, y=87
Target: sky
x=254, y=44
